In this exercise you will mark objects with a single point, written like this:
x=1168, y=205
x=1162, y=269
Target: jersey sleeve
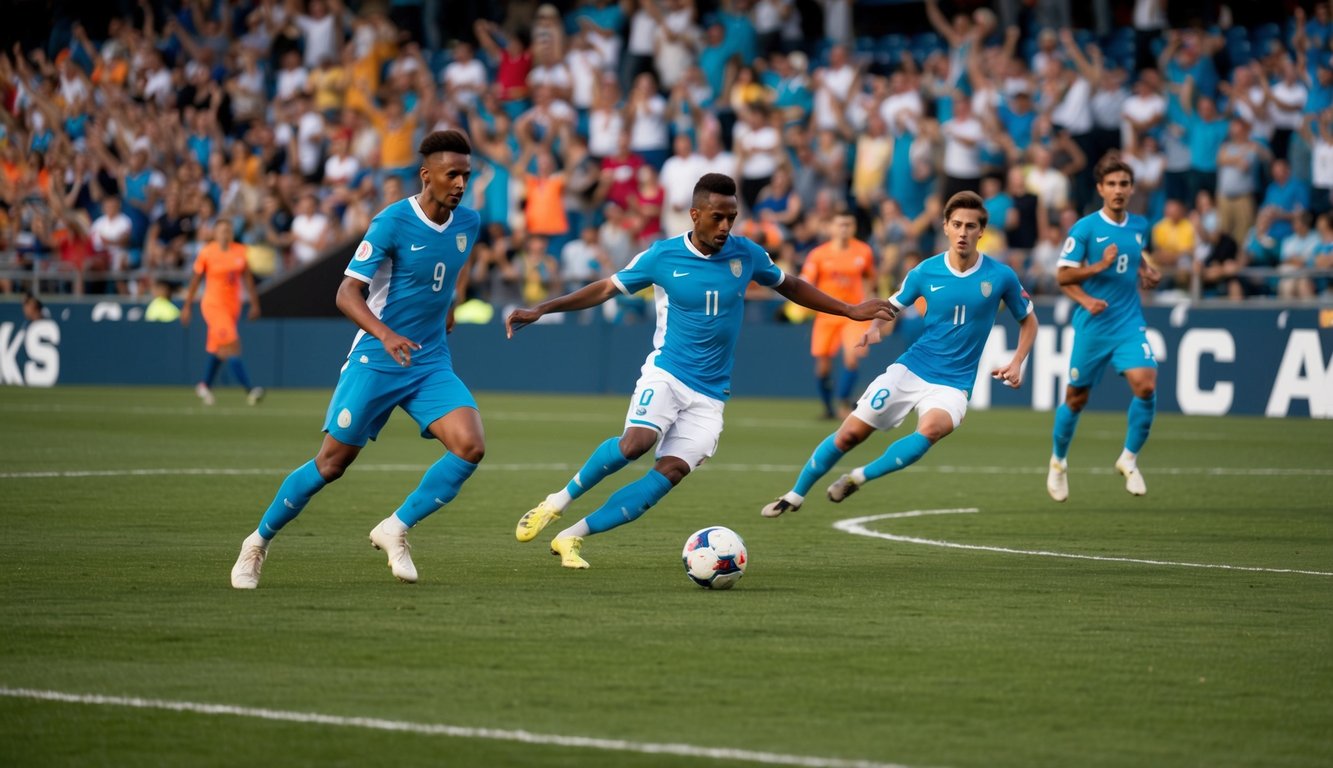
x=766, y=273
x=869, y=252
x=910, y=290
x=373, y=250
x=1015, y=297
x=201, y=261
x=1075, y=251
x=637, y=274
x=810, y=270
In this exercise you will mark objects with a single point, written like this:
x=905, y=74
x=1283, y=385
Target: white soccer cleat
x=842, y=488
x=201, y=389
x=1133, y=478
x=245, y=574
x=1057, y=480
x=254, y=396
x=395, y=545
x=776, y=507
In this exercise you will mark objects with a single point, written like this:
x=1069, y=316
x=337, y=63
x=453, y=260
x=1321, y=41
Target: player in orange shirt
x=844, y=268
x=222, y=266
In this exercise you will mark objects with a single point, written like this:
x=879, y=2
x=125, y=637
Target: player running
x=1108, y=322
x=699, y=280
x=963, y=289
x=410, y=263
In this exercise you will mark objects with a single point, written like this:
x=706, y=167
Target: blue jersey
x=1118, y=286
x=960, y=310
x=700, y=304
x=411, y=264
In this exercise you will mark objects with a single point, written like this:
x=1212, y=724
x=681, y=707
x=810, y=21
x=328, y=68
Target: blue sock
x=845, y=383
x=1066, y=421
x=1141, y=412
x=211, y=369
x=605, y=460
x=293, y=495
x=629, y=503
x=826, y=392
x=902, y=454
x=438, y=487
x=237, y=369
x=821, y=461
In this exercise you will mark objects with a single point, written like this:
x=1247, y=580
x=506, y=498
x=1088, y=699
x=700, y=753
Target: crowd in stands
x=120, y=148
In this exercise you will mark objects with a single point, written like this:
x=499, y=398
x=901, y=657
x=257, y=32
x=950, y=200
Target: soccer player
x=844, y=268
x=410, y=263
x=699, y=279
x=1108, y=322
x=963, y=289
x=222, y=267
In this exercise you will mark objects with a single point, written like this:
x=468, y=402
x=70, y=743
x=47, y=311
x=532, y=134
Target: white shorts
x=894, y=393
x=690, y=423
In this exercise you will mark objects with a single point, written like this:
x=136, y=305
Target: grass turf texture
x=833, y=645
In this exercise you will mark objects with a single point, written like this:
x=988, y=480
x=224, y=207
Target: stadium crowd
x=122, y=146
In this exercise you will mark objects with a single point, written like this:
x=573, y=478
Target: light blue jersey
x=700, y=304
x=960, y=310
x=1117, y=286
x=411, y=264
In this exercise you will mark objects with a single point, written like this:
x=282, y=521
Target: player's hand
x=1149, y=277
x=1108, y=256
x=872, y=336
x=399, y=348
x=1011, y=375
x=519, y=318
x=185, y=314
x=254, y=311
x=1095, y=306
x=875, y=309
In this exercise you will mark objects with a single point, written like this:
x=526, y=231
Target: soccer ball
x=715, y=557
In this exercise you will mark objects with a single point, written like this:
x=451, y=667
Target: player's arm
x=1012, y=374
x=190, y=291
x=1149, y=275
x=590, y=295
x=796, y=290
x=251, y=291
x=1071, y=275
x=351, y=301
x=1094, y=305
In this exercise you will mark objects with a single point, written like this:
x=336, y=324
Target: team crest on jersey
x=363, y=251
x=735, y=267
x=461, y=242
x=985, y=289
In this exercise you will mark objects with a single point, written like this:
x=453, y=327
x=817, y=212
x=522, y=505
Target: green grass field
x=124, y=509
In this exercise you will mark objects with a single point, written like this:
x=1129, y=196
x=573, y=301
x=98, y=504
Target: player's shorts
x=221, y=322
x=896, y=392
x=690, y=423
x=365, y=397
x=831, y=333
x=1088, y=359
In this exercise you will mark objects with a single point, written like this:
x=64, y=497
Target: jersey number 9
x=439, y=277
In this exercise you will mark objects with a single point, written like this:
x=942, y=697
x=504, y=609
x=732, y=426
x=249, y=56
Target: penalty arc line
x=453, y=731
x=856, y=526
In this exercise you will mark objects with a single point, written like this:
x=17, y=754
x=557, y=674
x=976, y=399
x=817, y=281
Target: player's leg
x=293, y=494
x=691, y=439
x=1142, y=410
x=850, y=336
x=445, y=410
x=1087, y=360
x=823, y=346
x=875, y=410
x=217, y=337
x=358, y=410
x=652, y=410
x=941, y=410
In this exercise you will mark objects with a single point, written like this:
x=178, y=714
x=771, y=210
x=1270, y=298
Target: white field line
x=857, y=526
x=440, y=729
x=711, y=466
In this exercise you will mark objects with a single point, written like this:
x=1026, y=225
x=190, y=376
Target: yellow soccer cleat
x=567, y=547
x=534, y=520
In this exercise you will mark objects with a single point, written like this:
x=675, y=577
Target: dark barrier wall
x=1214, y=361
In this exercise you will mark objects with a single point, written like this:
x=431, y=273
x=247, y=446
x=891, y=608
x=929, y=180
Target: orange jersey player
x=844, y=268
x=222, y=267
